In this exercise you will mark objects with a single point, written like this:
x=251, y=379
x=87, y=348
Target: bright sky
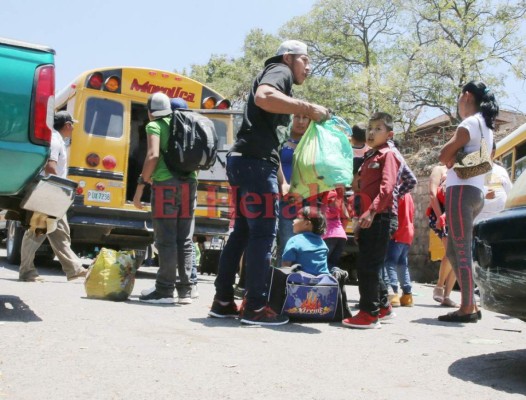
x=161, y=34
x=166, y=35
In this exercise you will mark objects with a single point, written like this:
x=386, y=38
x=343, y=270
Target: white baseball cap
x=159, y=105
x=288, y=47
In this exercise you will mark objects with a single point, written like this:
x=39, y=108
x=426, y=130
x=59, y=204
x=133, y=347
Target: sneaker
x=264, y=316
x=223, y=311
x=184, y=300
x=194, y=294
x=362, y=320
x=157, y=298
x=394, y=299
x=406, y=300
x=146, y=292
x=81, y=274
x=386, y=313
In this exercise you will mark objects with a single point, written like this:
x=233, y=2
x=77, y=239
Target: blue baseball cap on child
x=178, y=103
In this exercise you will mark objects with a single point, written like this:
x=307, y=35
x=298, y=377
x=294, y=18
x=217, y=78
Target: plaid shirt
x=406, y=180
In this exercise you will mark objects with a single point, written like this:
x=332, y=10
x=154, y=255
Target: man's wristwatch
x=141, y=181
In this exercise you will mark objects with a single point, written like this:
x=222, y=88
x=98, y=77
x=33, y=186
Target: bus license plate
x=101, y=197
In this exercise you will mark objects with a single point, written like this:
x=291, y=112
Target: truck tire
x=13, y=241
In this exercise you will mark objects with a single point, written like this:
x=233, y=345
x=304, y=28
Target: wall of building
x=421, y=268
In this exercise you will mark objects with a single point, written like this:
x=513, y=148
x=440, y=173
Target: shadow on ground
x=234, y=323
x=503, y=371
x=14, y=309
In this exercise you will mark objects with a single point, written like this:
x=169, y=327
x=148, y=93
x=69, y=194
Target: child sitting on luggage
x=308, y=249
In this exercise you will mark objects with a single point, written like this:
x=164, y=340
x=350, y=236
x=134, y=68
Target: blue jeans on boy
x=254, y=184
x=396, y=266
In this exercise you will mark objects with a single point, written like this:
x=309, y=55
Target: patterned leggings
x=463, y=204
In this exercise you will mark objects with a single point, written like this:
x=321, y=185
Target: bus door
x=138, y=146
x=99, y=147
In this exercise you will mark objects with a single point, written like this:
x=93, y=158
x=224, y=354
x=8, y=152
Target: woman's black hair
x=316, y=217
x=485, y=100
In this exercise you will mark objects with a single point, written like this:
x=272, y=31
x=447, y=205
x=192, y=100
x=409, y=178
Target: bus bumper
x=114, y=228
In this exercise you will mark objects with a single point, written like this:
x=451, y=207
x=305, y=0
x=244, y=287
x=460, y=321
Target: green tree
x=233, y=77
x=348, y=41
x=455, y=41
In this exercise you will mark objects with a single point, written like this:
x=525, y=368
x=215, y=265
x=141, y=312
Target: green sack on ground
x=323, y=159
x=111, y=276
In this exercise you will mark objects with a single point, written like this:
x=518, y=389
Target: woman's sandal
x=447, y=302
x=438, y=294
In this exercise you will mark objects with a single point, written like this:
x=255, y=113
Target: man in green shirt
x=173, y=203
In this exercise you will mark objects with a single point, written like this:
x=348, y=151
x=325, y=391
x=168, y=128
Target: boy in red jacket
x=378, y=177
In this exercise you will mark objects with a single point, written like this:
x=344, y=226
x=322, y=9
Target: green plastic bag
x=323, y=159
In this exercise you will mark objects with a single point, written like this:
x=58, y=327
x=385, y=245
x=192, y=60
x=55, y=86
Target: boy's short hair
x=387, y=119
x=358, y=131
x=316, y=218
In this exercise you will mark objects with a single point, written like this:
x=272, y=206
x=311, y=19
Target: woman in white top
x=465, y=197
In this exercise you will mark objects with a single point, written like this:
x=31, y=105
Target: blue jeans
x=287, y=213
x=254, y=186
x=173, y=204
x=396, y=267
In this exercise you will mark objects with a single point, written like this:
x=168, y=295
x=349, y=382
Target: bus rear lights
x=93, y=159
x=109, y=162
x=100, y=186
x=209, y=103
x=223, y=104
x=112, y=84
x=79, y=191
x=95, y=80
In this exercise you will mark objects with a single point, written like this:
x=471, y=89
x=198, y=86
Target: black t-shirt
x=257, y=136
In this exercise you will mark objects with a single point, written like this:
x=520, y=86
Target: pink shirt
x=333, y=214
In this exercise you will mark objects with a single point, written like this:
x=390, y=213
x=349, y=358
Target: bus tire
x=13, y=242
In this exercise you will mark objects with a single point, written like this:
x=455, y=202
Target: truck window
x=104, y=117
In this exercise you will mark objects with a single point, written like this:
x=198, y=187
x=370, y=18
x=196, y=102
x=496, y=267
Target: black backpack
x=192, y=144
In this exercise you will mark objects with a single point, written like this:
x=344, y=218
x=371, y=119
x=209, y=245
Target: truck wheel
x=13, y=242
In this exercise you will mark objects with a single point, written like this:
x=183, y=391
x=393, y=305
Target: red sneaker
x=386, y=313
x=362, y=320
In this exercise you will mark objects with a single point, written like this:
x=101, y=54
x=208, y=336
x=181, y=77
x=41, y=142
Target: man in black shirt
x=255, y=175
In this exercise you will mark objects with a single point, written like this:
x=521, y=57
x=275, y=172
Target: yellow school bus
x=511, y=152
x=109, y=144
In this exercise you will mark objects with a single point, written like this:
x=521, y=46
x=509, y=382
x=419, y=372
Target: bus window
x=507, y=162
x=520, y=163
x=221, y=128
x=104, y=117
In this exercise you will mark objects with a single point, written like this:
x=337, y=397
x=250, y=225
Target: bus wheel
x=13, y=242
